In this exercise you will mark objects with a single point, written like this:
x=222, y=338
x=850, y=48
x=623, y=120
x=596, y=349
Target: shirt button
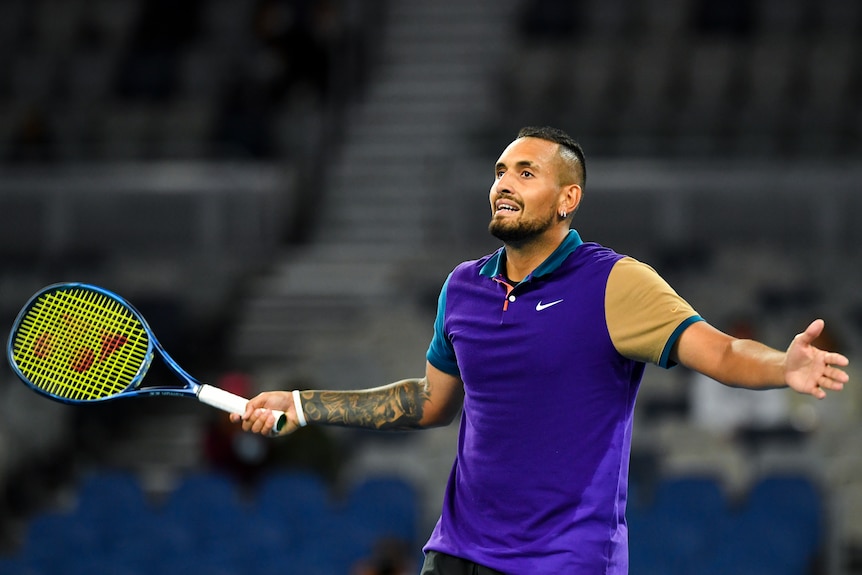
x=511, y=298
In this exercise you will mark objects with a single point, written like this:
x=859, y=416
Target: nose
x=501, y=185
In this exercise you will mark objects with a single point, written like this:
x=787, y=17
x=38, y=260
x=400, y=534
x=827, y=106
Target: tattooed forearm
x=396, y=406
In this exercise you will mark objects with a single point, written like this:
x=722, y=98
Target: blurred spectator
x=227, y=449
x=148, y=69
x=731, y=18
x=246, y=456
x=242, y=127
x=314, y=448
x=390, y=557
x=728, y=410
x=303, y=37
x=32, y=140
x=300, y=42
x=549, y=20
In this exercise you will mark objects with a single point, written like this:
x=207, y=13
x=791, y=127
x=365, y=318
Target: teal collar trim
x=494, y=267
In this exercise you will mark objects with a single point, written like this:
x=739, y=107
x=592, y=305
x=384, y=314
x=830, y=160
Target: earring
x=563, y=214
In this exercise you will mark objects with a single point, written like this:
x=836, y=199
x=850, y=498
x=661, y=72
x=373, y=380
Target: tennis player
x=543, y=344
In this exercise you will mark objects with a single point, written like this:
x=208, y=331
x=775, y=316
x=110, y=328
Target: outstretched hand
x=810, y=370
x=258, y=416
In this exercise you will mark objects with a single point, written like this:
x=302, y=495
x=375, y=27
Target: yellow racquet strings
x=79, y=344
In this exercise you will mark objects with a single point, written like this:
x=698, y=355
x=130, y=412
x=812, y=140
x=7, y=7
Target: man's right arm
x=419, y=403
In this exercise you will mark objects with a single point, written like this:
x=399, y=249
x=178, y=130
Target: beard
x=520, y=231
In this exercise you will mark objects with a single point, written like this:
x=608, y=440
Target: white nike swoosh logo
x=540, y=306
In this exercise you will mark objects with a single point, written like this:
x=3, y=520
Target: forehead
x=534, y=151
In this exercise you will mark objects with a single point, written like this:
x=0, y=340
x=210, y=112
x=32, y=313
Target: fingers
x=827, y=363
x=837, y=375
x=826, y=382
x=832, y=358
x=258, y=420
x=818, y=392
x=258, y=416
x=832, y=379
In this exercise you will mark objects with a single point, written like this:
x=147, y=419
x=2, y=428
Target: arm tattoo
x=396, y=406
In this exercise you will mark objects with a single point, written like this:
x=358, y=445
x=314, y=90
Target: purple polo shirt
x=540, y=478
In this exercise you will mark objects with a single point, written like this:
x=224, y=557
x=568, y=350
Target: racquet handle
x=232, y=403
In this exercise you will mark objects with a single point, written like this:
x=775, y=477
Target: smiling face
x=529, y=191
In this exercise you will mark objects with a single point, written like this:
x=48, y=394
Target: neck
x=524, y=257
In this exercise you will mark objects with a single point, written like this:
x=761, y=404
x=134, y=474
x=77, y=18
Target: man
x=543, y=343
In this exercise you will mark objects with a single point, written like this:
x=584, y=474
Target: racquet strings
x=80, y=344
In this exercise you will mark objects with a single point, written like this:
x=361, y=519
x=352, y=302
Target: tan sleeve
x=644, y=314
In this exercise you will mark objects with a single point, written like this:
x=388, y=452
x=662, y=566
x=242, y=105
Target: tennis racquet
x=78, y=343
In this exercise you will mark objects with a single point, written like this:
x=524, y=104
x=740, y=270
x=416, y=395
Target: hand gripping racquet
x=79, y=343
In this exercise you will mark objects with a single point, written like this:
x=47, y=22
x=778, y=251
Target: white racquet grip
x=232, y=403
x=297, y=403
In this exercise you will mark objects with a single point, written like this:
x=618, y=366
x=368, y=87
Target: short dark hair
x=566, y=142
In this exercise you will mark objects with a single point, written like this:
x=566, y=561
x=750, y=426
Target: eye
x=499, y=174
x=527, y=174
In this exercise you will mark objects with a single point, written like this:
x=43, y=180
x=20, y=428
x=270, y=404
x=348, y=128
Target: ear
x=571, y=198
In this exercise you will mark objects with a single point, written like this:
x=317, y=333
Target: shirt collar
x=494, y=267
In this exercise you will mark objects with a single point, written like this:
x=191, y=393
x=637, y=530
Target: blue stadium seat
x=52, y=539
x=690, y=528
x=207, y=510
x=785, y=513
x=105, y=496
x=384, y=507
x=297, y=503
x=681, y=529
x=17, y=564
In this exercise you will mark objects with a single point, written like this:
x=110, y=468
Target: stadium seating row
x=293, y=524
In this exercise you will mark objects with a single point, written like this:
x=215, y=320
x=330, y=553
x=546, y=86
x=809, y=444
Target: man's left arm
x=751, y=364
